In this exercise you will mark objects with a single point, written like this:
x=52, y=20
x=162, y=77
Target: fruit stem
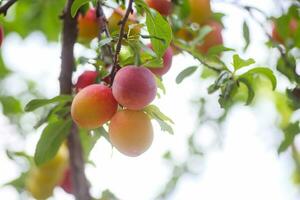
x=5, y=7
x=119, y=43
x=69, y=36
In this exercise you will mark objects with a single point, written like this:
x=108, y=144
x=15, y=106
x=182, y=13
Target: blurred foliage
x=236, y=82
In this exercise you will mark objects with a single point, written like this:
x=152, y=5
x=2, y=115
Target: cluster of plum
x=133, y=88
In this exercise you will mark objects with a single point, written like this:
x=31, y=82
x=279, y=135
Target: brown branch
x=69, y=35
x=103, y=27
x=5, y=7
x=119, y=43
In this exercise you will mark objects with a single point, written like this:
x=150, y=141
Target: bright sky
x=246, y=165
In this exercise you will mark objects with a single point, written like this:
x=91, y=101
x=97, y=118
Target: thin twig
x=6, y=6
x=103, y=26
x=119, y=43
x=69, y=35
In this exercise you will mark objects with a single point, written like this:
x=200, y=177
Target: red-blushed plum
x=200, y=11
x=134, y=87
x=66, y=183
x=293, y=25
x=88, y=26
x=85, y=79
x=93, y=106
x=213, y=38
x=131, y=132
x=167, y=63
x=164, y=7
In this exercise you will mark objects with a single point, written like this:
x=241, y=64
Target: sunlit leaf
x=51, y=139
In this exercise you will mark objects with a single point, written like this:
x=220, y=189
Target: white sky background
x=246, y=165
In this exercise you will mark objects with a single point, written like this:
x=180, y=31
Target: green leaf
x=10, y=105
x=289, y=135
x=51, y=139
x=158, y=27
x=251, y=93
x=227, y=92
x=239, y=63
x=184, y=9
x=216, y=50
x=202, y=33
x=89, y=139
x=154, y=112
x=165, y=126
x=153, y=63
x=220, y=81
x=14, y=155
x=262, y=71
x=185, y=73
x=76, y=5
x=246, y=34
x=160, y=84
x=18, y=183
x=104, y=42
x=36, y=103
x=287, y=66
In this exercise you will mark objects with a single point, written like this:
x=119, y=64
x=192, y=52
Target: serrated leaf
x=158, y=27
x=251, y=93
x=51, y=139
x=36, y=103
x=76, y=5
x=262, y=71
x=154, y=112
x=185, y=73
x=246, y=34
x=239, y=63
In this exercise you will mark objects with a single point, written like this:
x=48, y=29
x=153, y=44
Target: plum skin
x=213, y=38
x=164, y=7
x=131, y=132
x=134, y=87
x=200, y=11
x=85, y=79
x=167, y=63
x=93, y=106
x=88, y=26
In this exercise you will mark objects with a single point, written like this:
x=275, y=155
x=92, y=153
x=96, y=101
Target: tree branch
x=104, y=28
x=69, y=35
x=5, y=7
x=119, y=43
